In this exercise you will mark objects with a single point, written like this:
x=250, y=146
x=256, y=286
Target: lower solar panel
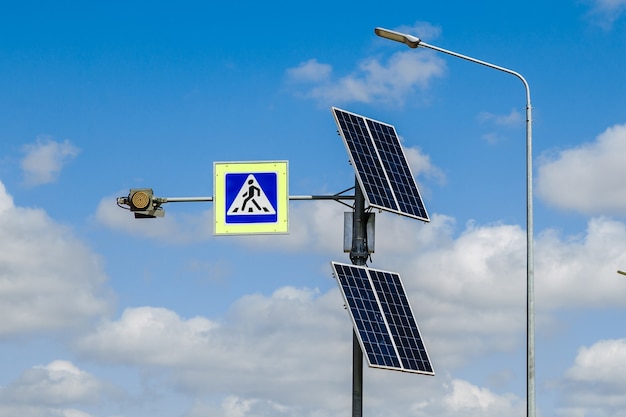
x=383, y=319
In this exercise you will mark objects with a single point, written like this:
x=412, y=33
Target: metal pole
x=358, y=256
x=415, y=42
x=530, y=273
x=357, y=377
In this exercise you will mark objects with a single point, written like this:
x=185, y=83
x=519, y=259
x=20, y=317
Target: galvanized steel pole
x=358, y=256
x=415, y=42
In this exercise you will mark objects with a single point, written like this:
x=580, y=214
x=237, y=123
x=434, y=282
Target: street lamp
x=414, y=42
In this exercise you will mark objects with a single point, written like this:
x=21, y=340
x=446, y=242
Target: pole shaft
x=530, y=269
x=358, y=256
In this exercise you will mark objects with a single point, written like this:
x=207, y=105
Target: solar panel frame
x=383, y=319
x=380, y=164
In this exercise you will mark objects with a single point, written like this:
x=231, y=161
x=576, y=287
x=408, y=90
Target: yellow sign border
x=220, y=169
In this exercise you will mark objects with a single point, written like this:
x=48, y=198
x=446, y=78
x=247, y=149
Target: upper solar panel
x=380, y=165
x=383, y=319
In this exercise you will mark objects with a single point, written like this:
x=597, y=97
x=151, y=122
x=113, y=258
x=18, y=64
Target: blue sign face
x=251, y=197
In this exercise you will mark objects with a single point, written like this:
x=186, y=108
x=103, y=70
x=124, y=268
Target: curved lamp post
x=414, y=42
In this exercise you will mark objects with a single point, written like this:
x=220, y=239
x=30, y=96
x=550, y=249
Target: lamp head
x=409, y=40
x=143, y=203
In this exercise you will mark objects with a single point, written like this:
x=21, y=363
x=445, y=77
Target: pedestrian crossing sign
x=250, y=197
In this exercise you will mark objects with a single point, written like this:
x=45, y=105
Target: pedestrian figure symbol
x=251, y=200
x=250, y=197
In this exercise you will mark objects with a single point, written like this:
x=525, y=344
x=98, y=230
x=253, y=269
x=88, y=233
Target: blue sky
x=108, y=316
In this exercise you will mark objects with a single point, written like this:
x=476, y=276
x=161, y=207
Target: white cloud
x=595, y=384
x=580, y=271
x=588, y=178
x=604, y=363
x=470, y=290
x=421, y=166
x=606, y=12
x=41, y=263
x=310, y=71
x=494, y=257
x=373, y=81
x=280, y=354
x=471, y=400
x=58, y=383
x=44, y=160
x=150, y=335
x=422, y=30
x=75, y=413
x=233, y=406
x=51, y=391
x=448, y=274
x=286, y=354
x=6, y=201
x=512, y=119
x=420, y=397
x=275, y=347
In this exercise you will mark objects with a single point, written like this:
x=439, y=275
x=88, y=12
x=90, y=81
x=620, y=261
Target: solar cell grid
x=401, y=320
x=368, y=321
x=394, y=162
x=380, y=165
x=365, y=160
x=383, y=318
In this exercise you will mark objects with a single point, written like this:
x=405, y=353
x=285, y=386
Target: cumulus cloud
x=472, y=400
x=467, y=291
x=453, y=274
x=587, y=178
x=580, y=271
x=595, y=385
x=467, y=288
x=272, y=347
x=570, y=262
x=473, y=285
x=421, y=165
x=57, y=383
x=602, y=363
x=372, y=81
x=140, y=337
x=51, y=390
x=44, y=160
x=282, y=353
x=310, y=71
x=285, y=354
x=41, y=262
x=452, y=397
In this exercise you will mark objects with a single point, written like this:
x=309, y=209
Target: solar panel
x=380, y=165
x=383, y=318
